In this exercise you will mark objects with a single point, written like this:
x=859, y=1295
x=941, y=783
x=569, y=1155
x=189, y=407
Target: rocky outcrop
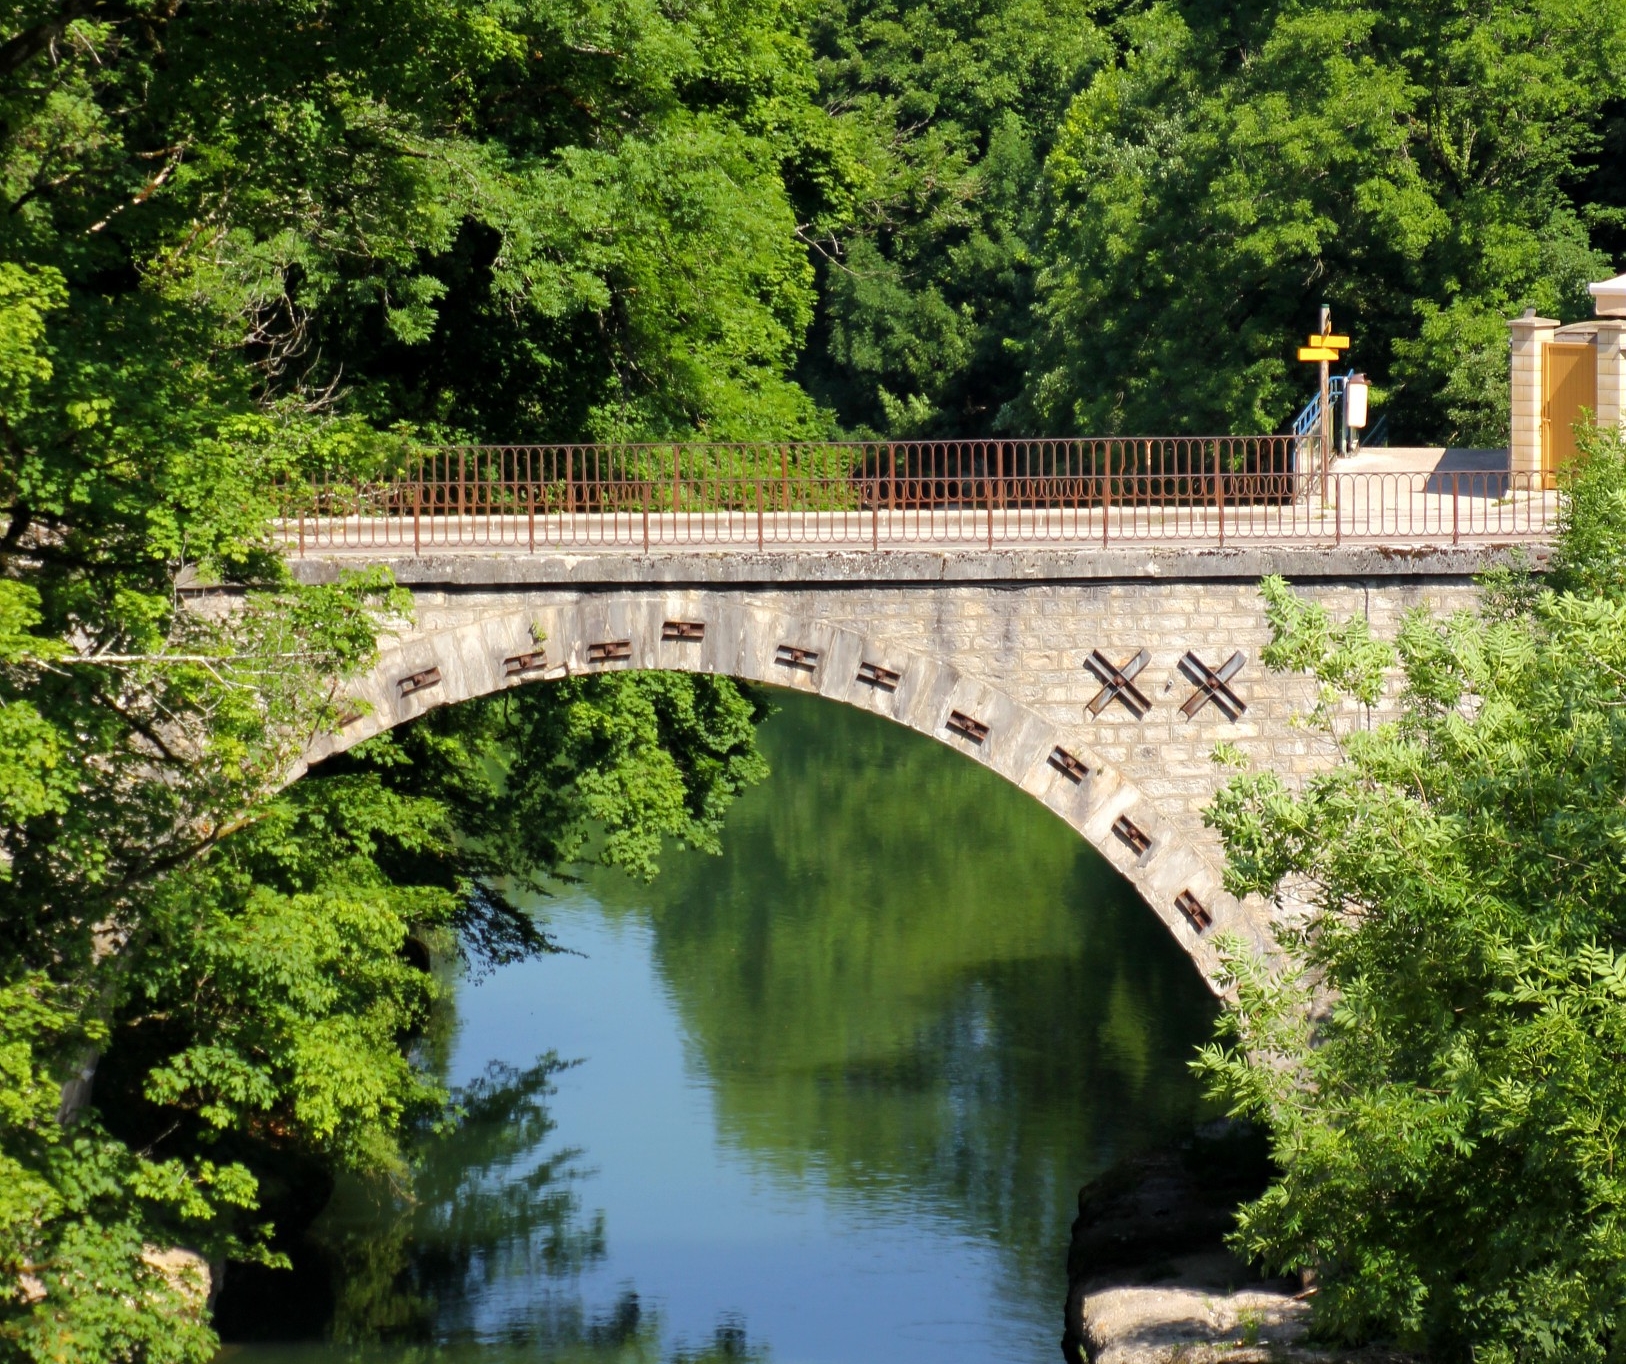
x=185, y=1271
x=1150, y=1280
x=1196, y=1316
x=1205, y=1312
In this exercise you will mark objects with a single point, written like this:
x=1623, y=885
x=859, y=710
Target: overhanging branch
x=16, y=52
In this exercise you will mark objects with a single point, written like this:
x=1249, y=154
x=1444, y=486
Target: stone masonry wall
x=1032, y=641
x=1010, y=654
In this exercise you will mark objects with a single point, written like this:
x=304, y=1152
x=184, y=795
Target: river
x=825, y=1099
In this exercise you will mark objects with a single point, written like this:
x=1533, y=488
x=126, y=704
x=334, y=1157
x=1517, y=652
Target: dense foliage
x=244, y=239
x=1146, y=261
x=1419, y=167
x=1449, y=1125
x=536, y=220
x=505, y=219
x=218, y=231
x=925, y=293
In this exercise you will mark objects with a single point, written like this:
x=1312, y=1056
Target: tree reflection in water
x=909, y=982
x=914, y=1005
x=481, y=1258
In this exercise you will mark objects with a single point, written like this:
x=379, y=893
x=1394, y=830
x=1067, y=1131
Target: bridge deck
x=1404, y=499
x=1423, y=520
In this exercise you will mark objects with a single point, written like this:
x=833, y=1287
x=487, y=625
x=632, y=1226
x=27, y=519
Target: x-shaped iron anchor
x=1116, y=682
x=1212, y=685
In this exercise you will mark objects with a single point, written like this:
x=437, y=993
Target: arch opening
x=486, y=651
x=857, y=1008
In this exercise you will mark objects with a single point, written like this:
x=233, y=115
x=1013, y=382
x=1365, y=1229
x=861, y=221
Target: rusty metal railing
x=882, y=495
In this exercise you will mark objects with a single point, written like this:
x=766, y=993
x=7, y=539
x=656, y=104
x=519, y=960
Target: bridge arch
x=498, y=647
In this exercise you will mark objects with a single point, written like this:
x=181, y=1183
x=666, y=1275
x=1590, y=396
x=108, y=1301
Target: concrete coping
x=1592, y=330
x=1609, y=297
x=825, y=567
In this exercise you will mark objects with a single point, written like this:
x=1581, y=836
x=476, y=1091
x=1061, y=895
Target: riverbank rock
x=1151, y=1281
x=1193, y=1322
x=185, y=1271
x=1199, y=1315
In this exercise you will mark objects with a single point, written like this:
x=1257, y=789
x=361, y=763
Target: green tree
x=926, y=282
x=1418, y=167
x=227, y=232
x=262, y=1003
x=1442, y=1071
x=514, y=218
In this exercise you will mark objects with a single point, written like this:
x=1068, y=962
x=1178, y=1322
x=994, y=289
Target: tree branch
x=18, y=51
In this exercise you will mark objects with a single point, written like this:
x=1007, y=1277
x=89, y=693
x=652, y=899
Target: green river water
x=826, y=1099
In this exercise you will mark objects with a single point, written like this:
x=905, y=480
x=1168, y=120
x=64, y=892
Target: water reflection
x=496, y=1208
x=910, y=979
x=828, y=1098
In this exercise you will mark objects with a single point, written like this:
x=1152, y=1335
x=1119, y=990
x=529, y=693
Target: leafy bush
x=1443, y=1070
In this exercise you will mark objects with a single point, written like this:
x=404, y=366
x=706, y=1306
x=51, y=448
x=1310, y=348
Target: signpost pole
x=1324, y=348
x=1326, y=409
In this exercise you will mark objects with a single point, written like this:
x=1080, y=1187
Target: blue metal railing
x=1307, y=425
x=1308, y=422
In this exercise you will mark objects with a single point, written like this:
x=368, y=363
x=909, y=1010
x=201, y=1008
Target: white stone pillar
x=1611, y=372
x=1530, y=337
x=1609, y=303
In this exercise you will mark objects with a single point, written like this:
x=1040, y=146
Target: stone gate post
x=1610, y=305
x=1531, y=335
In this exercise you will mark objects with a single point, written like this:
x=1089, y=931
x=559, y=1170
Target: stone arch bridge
x=1097, y=680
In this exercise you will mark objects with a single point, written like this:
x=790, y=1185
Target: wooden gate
x=1569, y=383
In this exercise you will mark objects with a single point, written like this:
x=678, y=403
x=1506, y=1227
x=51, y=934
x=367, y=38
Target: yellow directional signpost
x=1323, y=349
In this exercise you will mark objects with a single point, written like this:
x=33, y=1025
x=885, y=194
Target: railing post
x=646, y=517
x=759, y=513
x=1337, y=510
x=1106, y=496
x=1219, y=492
x=302, y=529
x=875, y=517
x=1456, y=505
x=784, y=475
x=417, y=512
x=530, y=505
x=989, y=487
x=677, y=479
